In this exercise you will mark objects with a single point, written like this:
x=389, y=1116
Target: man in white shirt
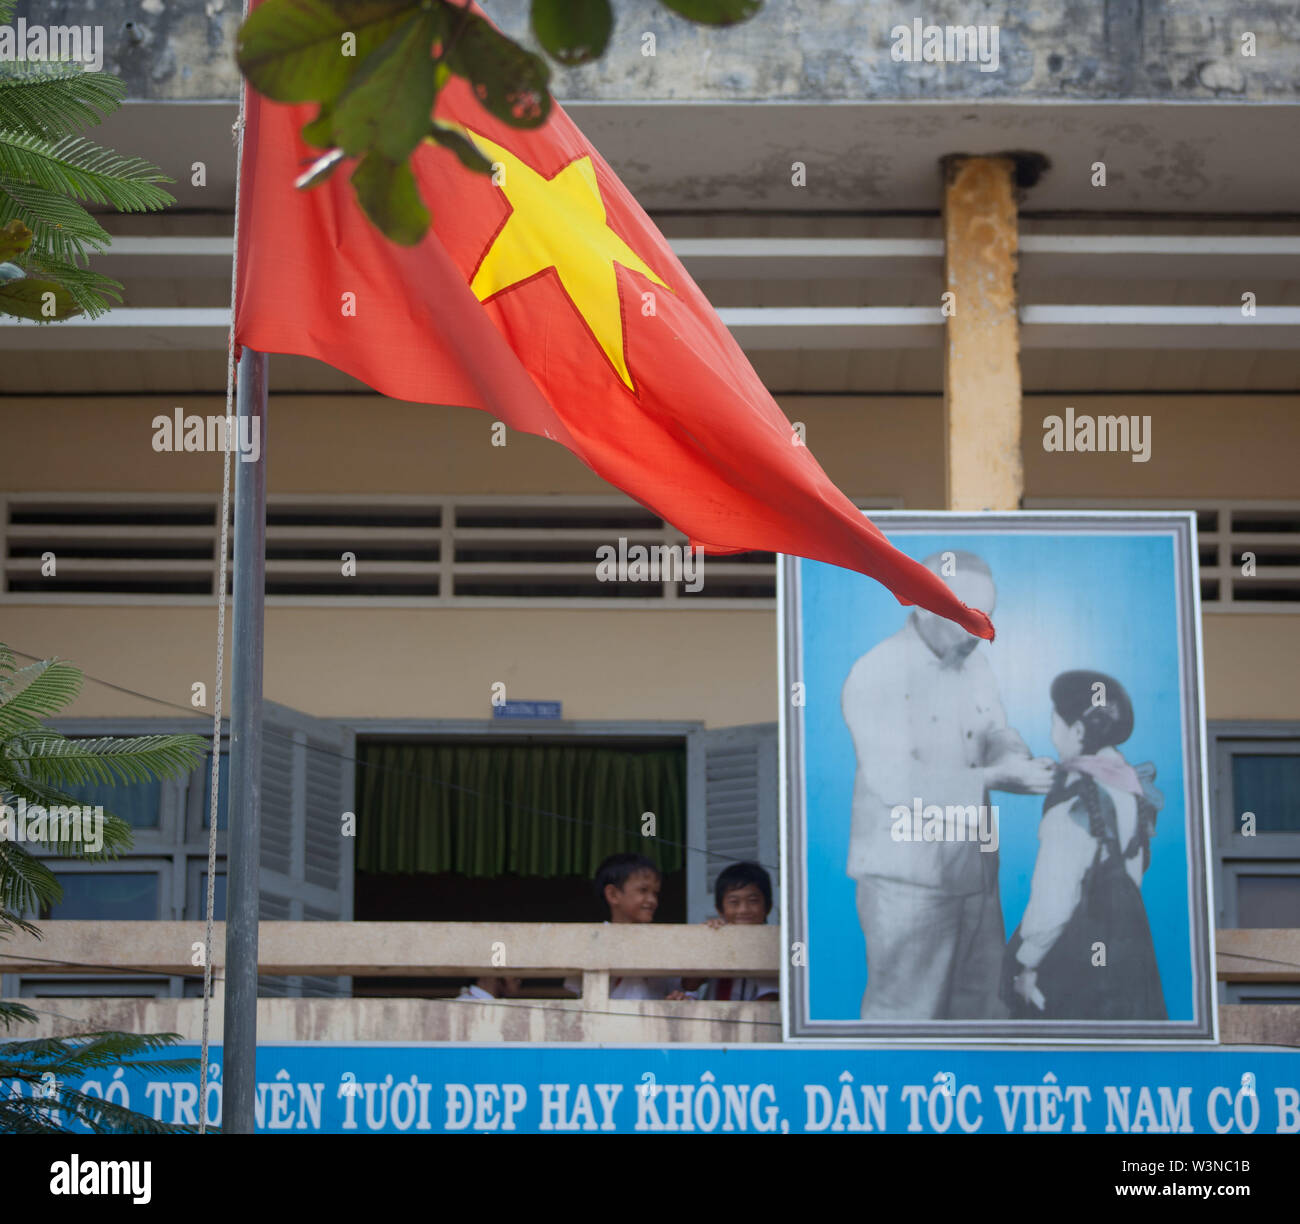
x=929, y=730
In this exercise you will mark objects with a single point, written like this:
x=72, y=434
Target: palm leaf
x=61, y=228
x=8, y=665
x=33, y=758
x=16, y=1013
x=89, y=1051
x=24, y=1116
x=115, y=833
x=26, y=883
x=66, y=1058
x=53, y=99
x=53, y=684
x=88, y=289
x=76, y=762
x=84, y=170
x=9, y=923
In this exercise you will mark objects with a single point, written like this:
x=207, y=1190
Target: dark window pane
x=138, y=803
x=1269, y=786
x=91, y=988
x=218, y=897
x=106, y=894
x=223, y=789
x=1268, y=901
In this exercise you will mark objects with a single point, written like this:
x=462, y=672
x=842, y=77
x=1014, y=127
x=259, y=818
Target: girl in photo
x=1094, y=848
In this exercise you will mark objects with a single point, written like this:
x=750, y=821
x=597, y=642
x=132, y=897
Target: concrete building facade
x=1114, y=195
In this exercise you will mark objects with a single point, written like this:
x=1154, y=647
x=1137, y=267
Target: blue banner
x=435, y=1089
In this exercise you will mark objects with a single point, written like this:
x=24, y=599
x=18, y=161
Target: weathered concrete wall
x=801, y=50
x=340, y=1021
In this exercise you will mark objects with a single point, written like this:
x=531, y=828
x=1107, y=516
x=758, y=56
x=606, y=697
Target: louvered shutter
x=306, y=862
x=732, y=808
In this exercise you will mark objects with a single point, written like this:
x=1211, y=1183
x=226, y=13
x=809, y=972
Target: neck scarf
x=1113, y=771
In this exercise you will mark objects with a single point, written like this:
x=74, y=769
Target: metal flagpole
x=239, y=1045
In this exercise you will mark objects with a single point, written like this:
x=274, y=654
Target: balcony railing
x=593, y=951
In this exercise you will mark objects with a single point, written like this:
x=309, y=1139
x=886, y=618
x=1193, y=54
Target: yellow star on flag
x=560, y=223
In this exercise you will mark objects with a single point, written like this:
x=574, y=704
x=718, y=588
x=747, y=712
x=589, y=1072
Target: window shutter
x=306, y=862
x=732, y=809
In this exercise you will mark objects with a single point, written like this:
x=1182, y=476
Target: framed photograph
x=1000, y=840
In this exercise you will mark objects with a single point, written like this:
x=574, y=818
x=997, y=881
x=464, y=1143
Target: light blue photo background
x=1065, y=601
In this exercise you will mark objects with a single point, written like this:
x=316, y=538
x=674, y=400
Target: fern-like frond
x=78, y=167
x=51, y=1105
x=75, y=762
x=26, y=883
x=15, y=1013
x=47, y=1064
x=88, y=289
x=51, y=685
x=9, y=923
x=75, y=1055
x=61, y=228
x=54, y=99
x=27, y=1116
x=59, y=833
x=116, y=833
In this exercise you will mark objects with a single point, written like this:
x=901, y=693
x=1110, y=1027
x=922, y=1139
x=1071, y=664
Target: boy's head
x=629, y=885
x=743, y=894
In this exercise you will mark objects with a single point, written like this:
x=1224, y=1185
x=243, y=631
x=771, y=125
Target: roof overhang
x=1160, y=157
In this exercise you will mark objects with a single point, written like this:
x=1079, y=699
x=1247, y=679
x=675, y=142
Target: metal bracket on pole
x=239, y=1045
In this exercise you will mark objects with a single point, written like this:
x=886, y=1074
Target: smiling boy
x=629, y=885
x=742, y=896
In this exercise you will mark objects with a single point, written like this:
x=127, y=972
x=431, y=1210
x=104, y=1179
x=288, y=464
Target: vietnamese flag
x=544, y=295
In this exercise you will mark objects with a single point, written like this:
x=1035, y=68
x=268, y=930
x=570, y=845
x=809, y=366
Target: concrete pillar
x=981, y=375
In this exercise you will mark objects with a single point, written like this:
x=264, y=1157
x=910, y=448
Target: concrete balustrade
x=469, y=949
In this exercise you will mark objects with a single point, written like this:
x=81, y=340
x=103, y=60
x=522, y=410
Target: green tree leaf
x=509, y=81
x=320, y=131
x=715, y=12
x=308, y=50
x=387, y=193
x=90, y=290
x=573, y=31
x=462, y=146
x=387, y=104
x=15, y=238
x=27, y=299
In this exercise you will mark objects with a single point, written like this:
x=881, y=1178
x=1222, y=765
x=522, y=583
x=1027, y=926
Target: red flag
x=544, y=295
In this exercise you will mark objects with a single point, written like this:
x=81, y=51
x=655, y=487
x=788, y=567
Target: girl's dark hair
x=1105, y=724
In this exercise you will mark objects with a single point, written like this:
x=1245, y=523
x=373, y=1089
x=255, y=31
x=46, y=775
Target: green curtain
x=488, y=810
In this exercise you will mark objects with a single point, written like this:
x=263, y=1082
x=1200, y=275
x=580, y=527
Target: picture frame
x=1084, y=600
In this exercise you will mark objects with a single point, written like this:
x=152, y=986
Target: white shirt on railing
x=475, y=993
x=632, y=987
